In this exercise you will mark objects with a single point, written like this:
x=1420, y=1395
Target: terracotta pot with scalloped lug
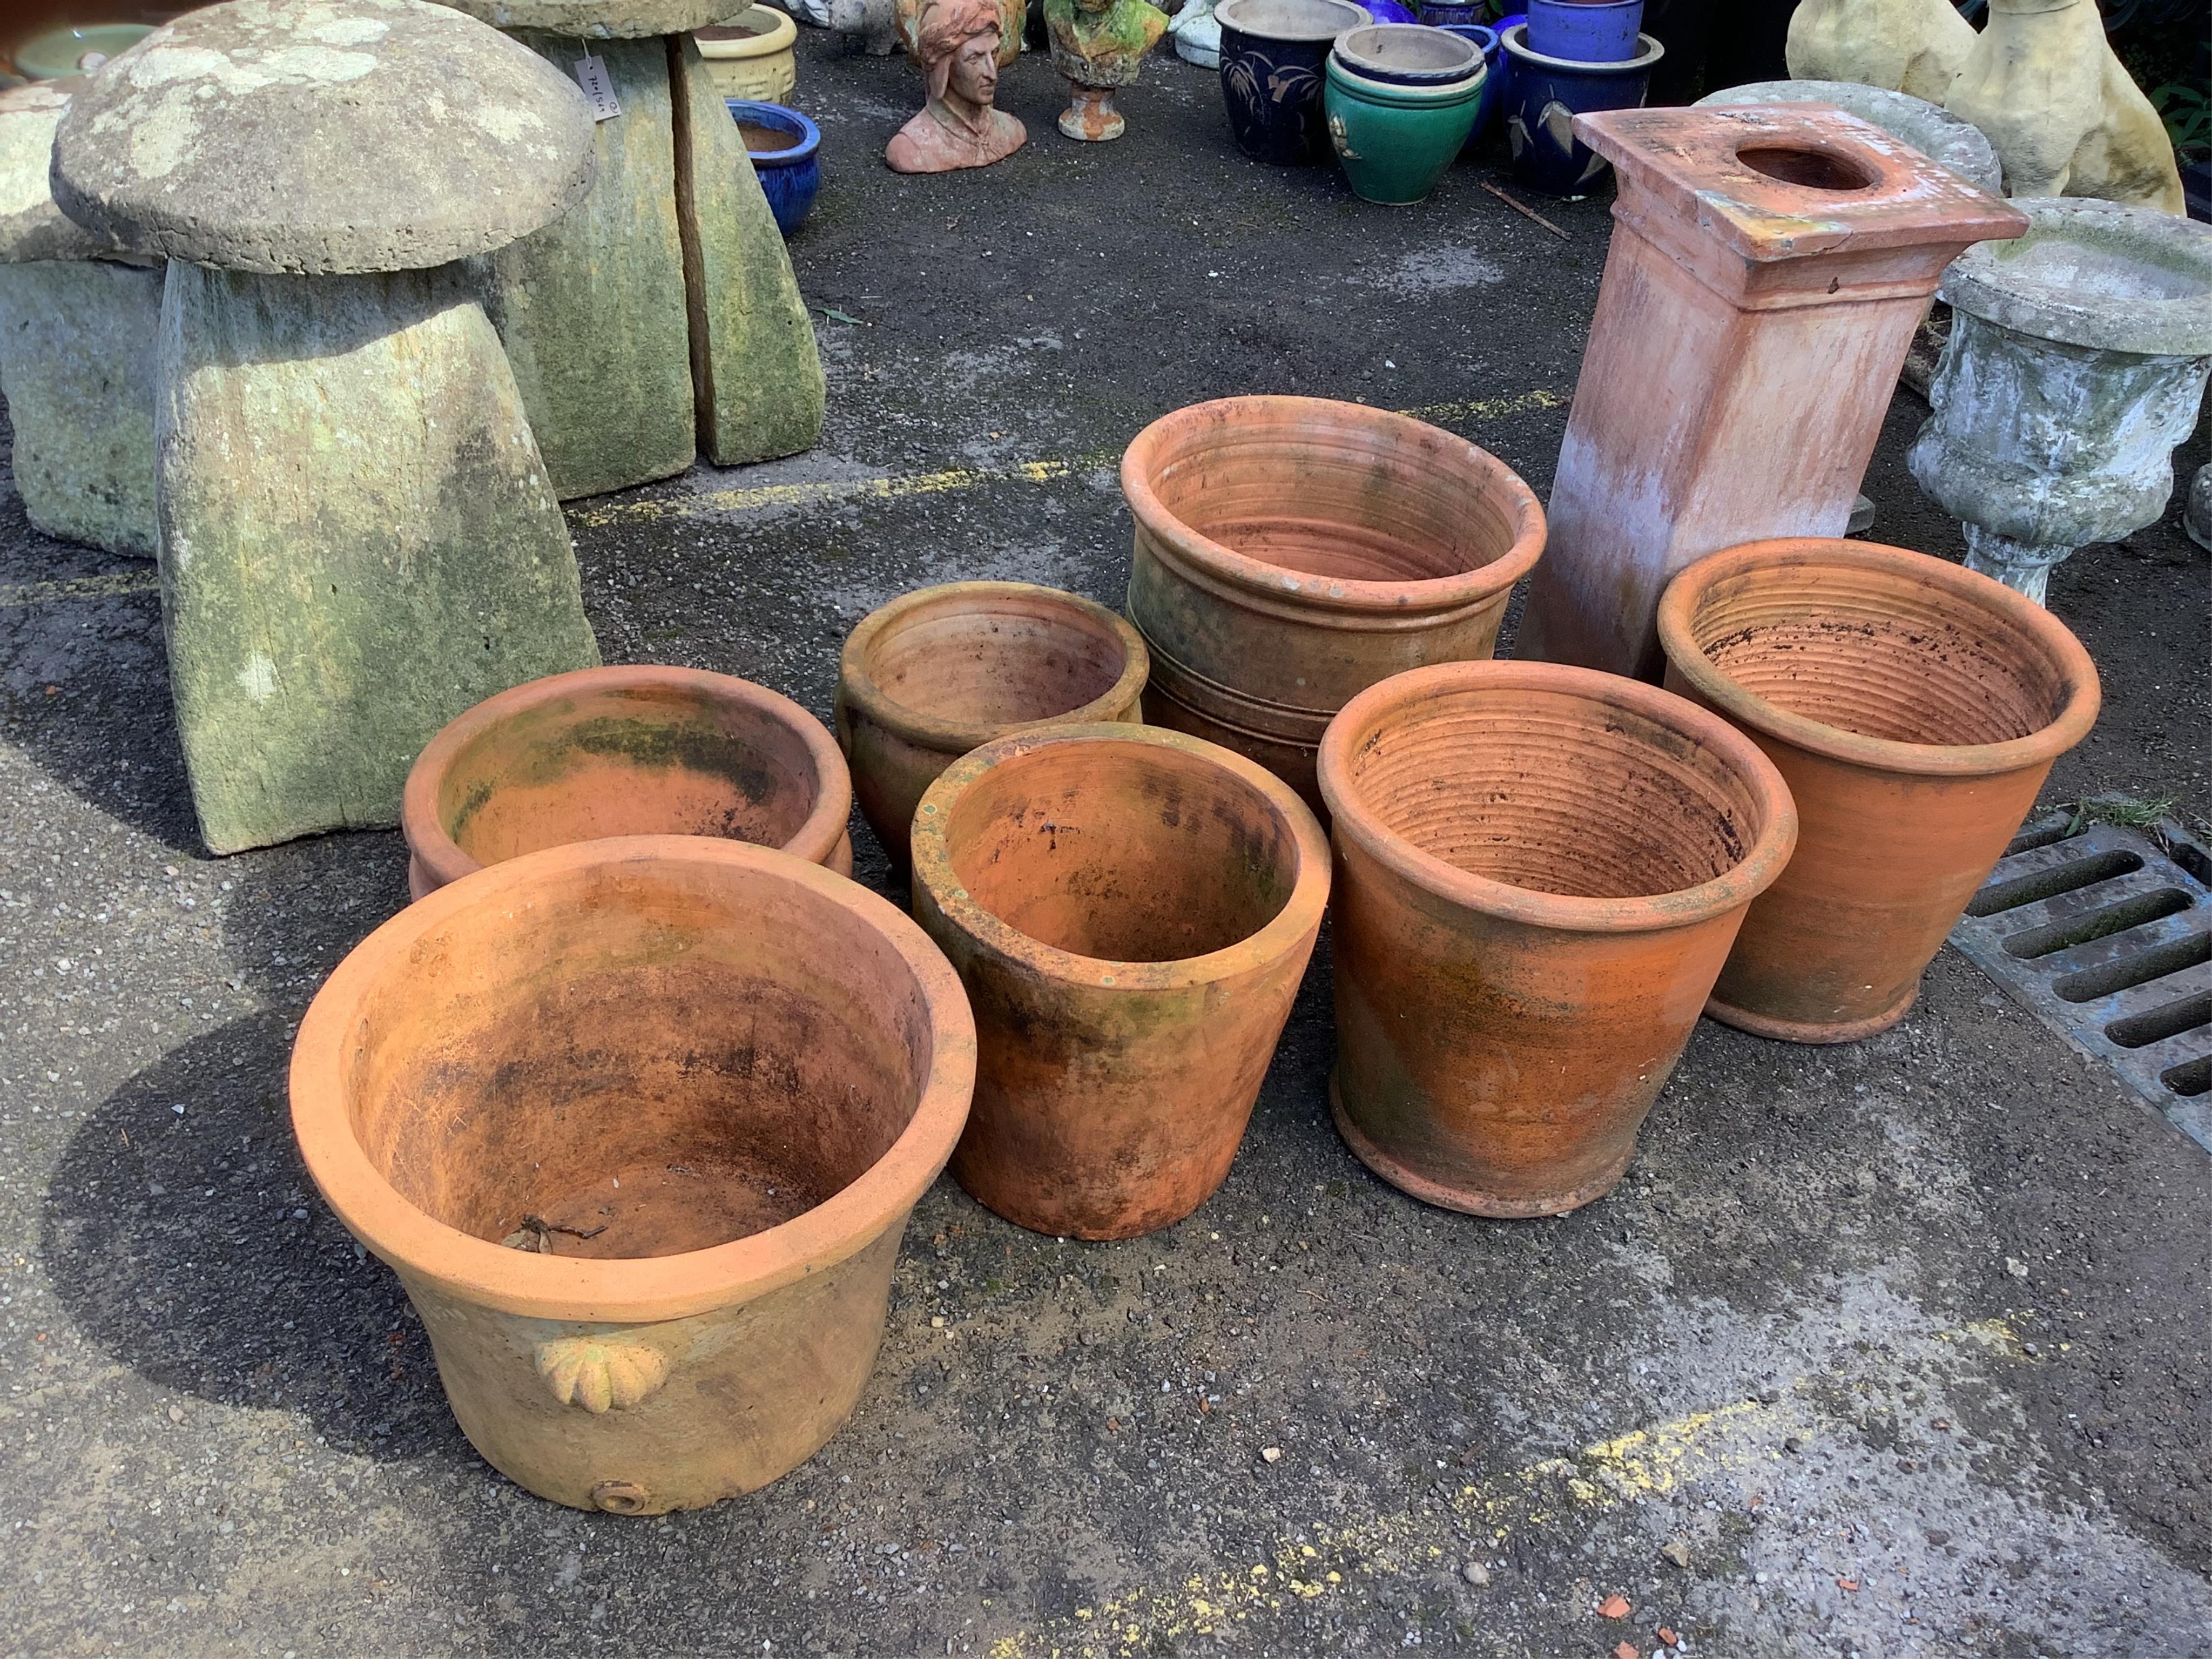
x=638, y=1122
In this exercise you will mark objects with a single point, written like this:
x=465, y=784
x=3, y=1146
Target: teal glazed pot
x=1396, y=142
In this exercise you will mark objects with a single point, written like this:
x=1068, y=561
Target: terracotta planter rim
x=2066, y=653
x=424, y=828
x=1301, y=912
x=1762, y=862
x=636, y=1289
x=1246, y=575
x=930, y=732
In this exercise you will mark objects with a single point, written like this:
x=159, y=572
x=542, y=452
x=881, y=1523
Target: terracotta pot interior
x=634, y=762
x=995, y=661
x=1554, y=793
x=1869, y=652
x=1123, y=851
x=1330, y=498
x=1807, y=166
x=637, y=1061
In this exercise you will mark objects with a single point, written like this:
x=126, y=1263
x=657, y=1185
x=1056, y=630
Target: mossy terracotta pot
x=942, y=670
x=1292, y=551
x=636, y=750
x=638, y=1122
x=1131, y=910
x=1914, y=709
x=1539, y=870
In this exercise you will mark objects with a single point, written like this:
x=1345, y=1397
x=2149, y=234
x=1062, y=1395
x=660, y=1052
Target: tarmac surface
x=1898, y=1349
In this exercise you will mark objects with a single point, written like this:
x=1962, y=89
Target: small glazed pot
x=1396, y=142
x=789, y=163
x=1545, y=95
x=1451, y=15
x=638, y=1123
x=1399, y=54
x=636, y=750
x=1493, y=81
x=942, y=670
x=1290, y=552
x=1539, y=870
x=1389, y=11
x=1914, y=709
x=1131, y=911
x=1585, y=30
x=1271, y=53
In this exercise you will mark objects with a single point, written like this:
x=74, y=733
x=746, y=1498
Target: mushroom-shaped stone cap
x=1933, y=131
x=601, y=20
x=323, y=136
x=2092, y=273
x=31, y=225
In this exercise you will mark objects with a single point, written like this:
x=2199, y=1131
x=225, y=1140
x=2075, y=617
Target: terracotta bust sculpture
x=957, y=42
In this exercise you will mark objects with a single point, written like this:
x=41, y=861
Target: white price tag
x=591, y=75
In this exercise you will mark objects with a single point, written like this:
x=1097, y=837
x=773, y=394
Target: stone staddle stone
x=601, y=20
x=77, y=350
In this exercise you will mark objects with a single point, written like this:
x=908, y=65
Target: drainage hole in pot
x=1810, y=168
x=995, y=669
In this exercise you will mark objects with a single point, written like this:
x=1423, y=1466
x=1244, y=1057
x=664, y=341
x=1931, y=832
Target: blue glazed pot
x=1512, y=20
x=1546, y=97
x=1583, y=32
x=1389, y=11
x=789, y=177
x=1493, y=85
x=1449, y=16
x=1271, y=57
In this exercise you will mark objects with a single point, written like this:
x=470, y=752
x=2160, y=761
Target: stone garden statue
x=960, y=44
x=1097, y=44
x=1899, y=45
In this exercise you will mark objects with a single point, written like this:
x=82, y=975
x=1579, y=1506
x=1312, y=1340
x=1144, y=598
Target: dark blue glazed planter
x=1580, y=32
x=1389, y=11
x=1271, y=57
x=1493, y=85
x=1547, y=94
x=789, y=177
x=1450, y=17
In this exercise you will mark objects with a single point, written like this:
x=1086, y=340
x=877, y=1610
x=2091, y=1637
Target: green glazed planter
x=1396, y=142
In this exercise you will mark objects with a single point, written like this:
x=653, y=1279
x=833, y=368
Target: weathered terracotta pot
x=1914, y=709
x=1131, y=910
x=1539, y=870
x=638, y=1122
x=1292, y=551
x=941, y=671
x=624, y=751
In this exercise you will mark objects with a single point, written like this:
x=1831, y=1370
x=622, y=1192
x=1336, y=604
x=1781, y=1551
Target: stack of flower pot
x=1401, y=101
x=1569, y=57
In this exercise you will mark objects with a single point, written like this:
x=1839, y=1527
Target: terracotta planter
x=638, y=1122
x=1539, y=870
x=1131, y=910
x=1292, y=551
x=941, y=671
x=1914, y=709
x=624, y=751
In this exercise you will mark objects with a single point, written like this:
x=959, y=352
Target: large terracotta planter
x=1292, y=551
x=942, y=670
x=1914, y=709
x=1539, y=870
x=638, y=1122
x=642, y=751
x=1131, y=910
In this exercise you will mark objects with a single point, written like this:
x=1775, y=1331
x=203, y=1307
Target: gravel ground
x=1893, y=1349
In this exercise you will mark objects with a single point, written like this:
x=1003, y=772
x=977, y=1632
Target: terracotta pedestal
x=1769, y=266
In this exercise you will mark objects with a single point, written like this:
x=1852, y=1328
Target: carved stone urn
x=2076, y=362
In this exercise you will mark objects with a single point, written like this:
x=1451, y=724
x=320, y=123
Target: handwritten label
x=598, y=87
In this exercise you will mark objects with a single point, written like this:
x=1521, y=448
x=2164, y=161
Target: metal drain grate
x=2108, y=941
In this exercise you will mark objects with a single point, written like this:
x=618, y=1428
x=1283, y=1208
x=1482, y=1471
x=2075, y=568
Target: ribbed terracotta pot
x=1539, y=870
x=1292, y=551
x=635, y=751
x=638, y=1122
x=1914, y=709
x=942, y=670
x=1131, y=910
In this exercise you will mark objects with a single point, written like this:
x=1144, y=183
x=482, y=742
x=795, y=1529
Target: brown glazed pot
x=942, y=670
x=638, y=1122
x=1292, y=551
x=624, y=751
x=1539, y=871
x=1914, y=709
x=1131, y=910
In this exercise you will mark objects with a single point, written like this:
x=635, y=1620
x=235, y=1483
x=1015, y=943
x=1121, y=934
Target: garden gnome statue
x=961, y=46
x=356, y=535
x=661, y=319
x=78, y=320
x=1097, y=44
x=1899, y=45
x=2066, y=117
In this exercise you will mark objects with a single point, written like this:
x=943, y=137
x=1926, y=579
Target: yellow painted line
x=142, y=580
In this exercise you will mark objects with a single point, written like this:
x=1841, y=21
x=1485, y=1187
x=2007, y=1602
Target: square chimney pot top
x=1782, y=181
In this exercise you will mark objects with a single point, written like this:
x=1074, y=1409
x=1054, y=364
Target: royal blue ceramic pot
x=1493, y=85
x=1450, y=17
x=789, y=174
x=1389, y=11
x=1546, y=95
x=1272, y=57
x=1585, y=30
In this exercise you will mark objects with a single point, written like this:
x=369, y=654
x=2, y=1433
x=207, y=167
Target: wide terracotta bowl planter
x=1914, y=709
x=942, y=670
x=1292, y=551
x=1539, y=870
x=638, y=1122
x=1131, y=910
x=640, y=750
